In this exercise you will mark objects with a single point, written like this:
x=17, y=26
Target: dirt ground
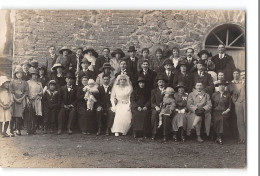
x=91, y=151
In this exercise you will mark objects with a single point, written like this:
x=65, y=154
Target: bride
x=120, y=100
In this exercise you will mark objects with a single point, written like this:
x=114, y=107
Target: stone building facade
x=35, y=30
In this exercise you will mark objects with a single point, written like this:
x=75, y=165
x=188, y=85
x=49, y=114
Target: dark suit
x=60, y=81
x=190, y=65
x=73, y=61
x=128, y=73
x=132, y=65
x=206, y=80
x=105, y=116
x=26, y=76
x=50, y=61
x=169, y=78
x=187, y=79
x=226, y=64
x=149, y=76
x=67, y=98
x=99, y=63
x=90, y=74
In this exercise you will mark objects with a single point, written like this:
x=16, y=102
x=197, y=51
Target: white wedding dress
x=123, y=114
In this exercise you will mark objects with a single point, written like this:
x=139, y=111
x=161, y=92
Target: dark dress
x=44, y=80
x=206, y=80
x=60, y=81
x=140, y=98
x=26, y=76
x=187, y=79
x=150, y=78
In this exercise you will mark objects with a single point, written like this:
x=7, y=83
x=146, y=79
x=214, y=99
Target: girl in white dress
x=120, y=100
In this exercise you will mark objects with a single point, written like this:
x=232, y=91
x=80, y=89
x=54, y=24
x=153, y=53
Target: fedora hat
x=34, y=63
x=55, y=66
x=106, y=65
x=17, y=69
x=26, y=62
x=180, y=84
x=204, y=52
x=33, y=70
x=118, y=51
x=131, y=48
x=141, y=79
x=169, y=90
x=70, y=75
x=65, y=48
x=95, y=54
x=4, y=79
x=167, y=61
x=221, y=82
x=161, y=77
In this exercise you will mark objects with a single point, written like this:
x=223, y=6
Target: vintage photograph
x=123, y=89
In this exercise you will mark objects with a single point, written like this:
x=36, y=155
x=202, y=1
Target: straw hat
x=4, y=79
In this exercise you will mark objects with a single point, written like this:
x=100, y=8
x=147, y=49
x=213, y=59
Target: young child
x=43, y=78
x=25, y=66
x=6, y=101
x=91, y=89
x=51, y=101
x=19, y=88
x=35, y=97
x=167, y=105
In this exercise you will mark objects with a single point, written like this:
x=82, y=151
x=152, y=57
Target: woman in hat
x=91, y=55
x=20, y=90
x=25, y=66
x=220, y=77
x=205, y=56
x=43, y=78
x=221, y=106
x=175, y=57
x=157, y=61
x=108, y=70
x=179, y=122
x=140, y=105
x=6, y=101
x=85, y=71
x=120, y=100
x=34, y=63
x=35, y=97
x=64, y=59
x=117, y=55
x=57, y=74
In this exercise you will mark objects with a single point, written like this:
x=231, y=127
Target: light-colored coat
x=199, y=100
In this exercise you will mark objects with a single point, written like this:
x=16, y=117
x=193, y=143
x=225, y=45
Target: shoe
x=107, y=132
x=134, y=135
x=18, y=132
x=124, y=134
x=6, y=135
x=153, y=137
x=175, y=138
x=99, y=132
x=83, y=132
x=220, y=141
x=241, y=141
x=88, y=133
x=59, y=132
x=69, y=132
x=116, y=134
x=183, y=139
x=164, y=139
x=145, y=137
x=199, y=139
x=12, y=134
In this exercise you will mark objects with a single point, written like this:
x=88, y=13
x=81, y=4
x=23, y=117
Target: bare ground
x=79, y=151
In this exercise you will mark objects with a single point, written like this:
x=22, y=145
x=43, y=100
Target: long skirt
x=141, y=121
x=122, y=120
x=179, y=120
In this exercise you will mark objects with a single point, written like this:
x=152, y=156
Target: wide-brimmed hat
x=161, y=77
x=55, y=66
x=221, y=82
x=33, y=70
x=18, y=68
x=204, y=52
x=34, y=63
x=167, y=61
x=180, y=84
x=65, y=48
x=131, y=48
x=106, y=65
x=118, y=51
x=141, y=79
x=70, y=75
x=52, y=82
x=4, y=79
x=26, y=62
x=95, y=54
x=169, y=90
x=43, y=67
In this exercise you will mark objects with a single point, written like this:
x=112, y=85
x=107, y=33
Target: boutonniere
x=224, y=96
x=184, y=98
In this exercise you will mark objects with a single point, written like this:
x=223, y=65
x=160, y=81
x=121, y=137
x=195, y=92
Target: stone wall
x=35, y=30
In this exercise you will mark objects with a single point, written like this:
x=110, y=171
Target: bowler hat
x=65, y=48
x=70, y=75
x=4, y=79
x=131, y=48
x=55, y=66
x=141, y=79
x=34, y=63
x=180, y=84
x=95, y=54
x=118, y=51
x=221, y=82
x=169, y=90
x=167, y=62
x=204, y=52
x=26, y=62
x=33, y=70
x=161, y=77
x=106, y=65
x=17, y=69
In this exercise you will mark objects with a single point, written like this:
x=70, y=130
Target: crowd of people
x=153, y=95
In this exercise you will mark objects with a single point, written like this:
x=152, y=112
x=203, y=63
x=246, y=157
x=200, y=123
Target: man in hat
x=105, y=116
x=156, y=100
x=204, y=78
x=102, y=59
x=51, y=58
x=147, y=73
x=132, y=60
x=199, y=104
x=117, y=55
x=190, y=59
x=168, y=73
x=68, y=101
x=58, y=75
x=26, y=75
x=183, y=76
x=85, y=71
x=65, y=58
x=108, y=70
x=224, y=62
x=76, y=60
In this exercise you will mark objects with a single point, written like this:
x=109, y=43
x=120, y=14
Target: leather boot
x=199, y=139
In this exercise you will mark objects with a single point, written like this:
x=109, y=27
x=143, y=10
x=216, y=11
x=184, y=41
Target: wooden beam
x=236, y=39
x=227, y=36
x=217, y=37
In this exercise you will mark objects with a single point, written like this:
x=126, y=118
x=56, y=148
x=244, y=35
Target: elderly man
x=224, y=62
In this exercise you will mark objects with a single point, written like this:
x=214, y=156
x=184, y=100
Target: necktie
x=123, y=71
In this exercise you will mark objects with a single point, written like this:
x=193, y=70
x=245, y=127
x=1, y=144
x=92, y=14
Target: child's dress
x=6, y=98
x=167, y=107
x=89, y=96
x=35, y=88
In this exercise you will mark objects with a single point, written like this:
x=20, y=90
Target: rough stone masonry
x=35, y=30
